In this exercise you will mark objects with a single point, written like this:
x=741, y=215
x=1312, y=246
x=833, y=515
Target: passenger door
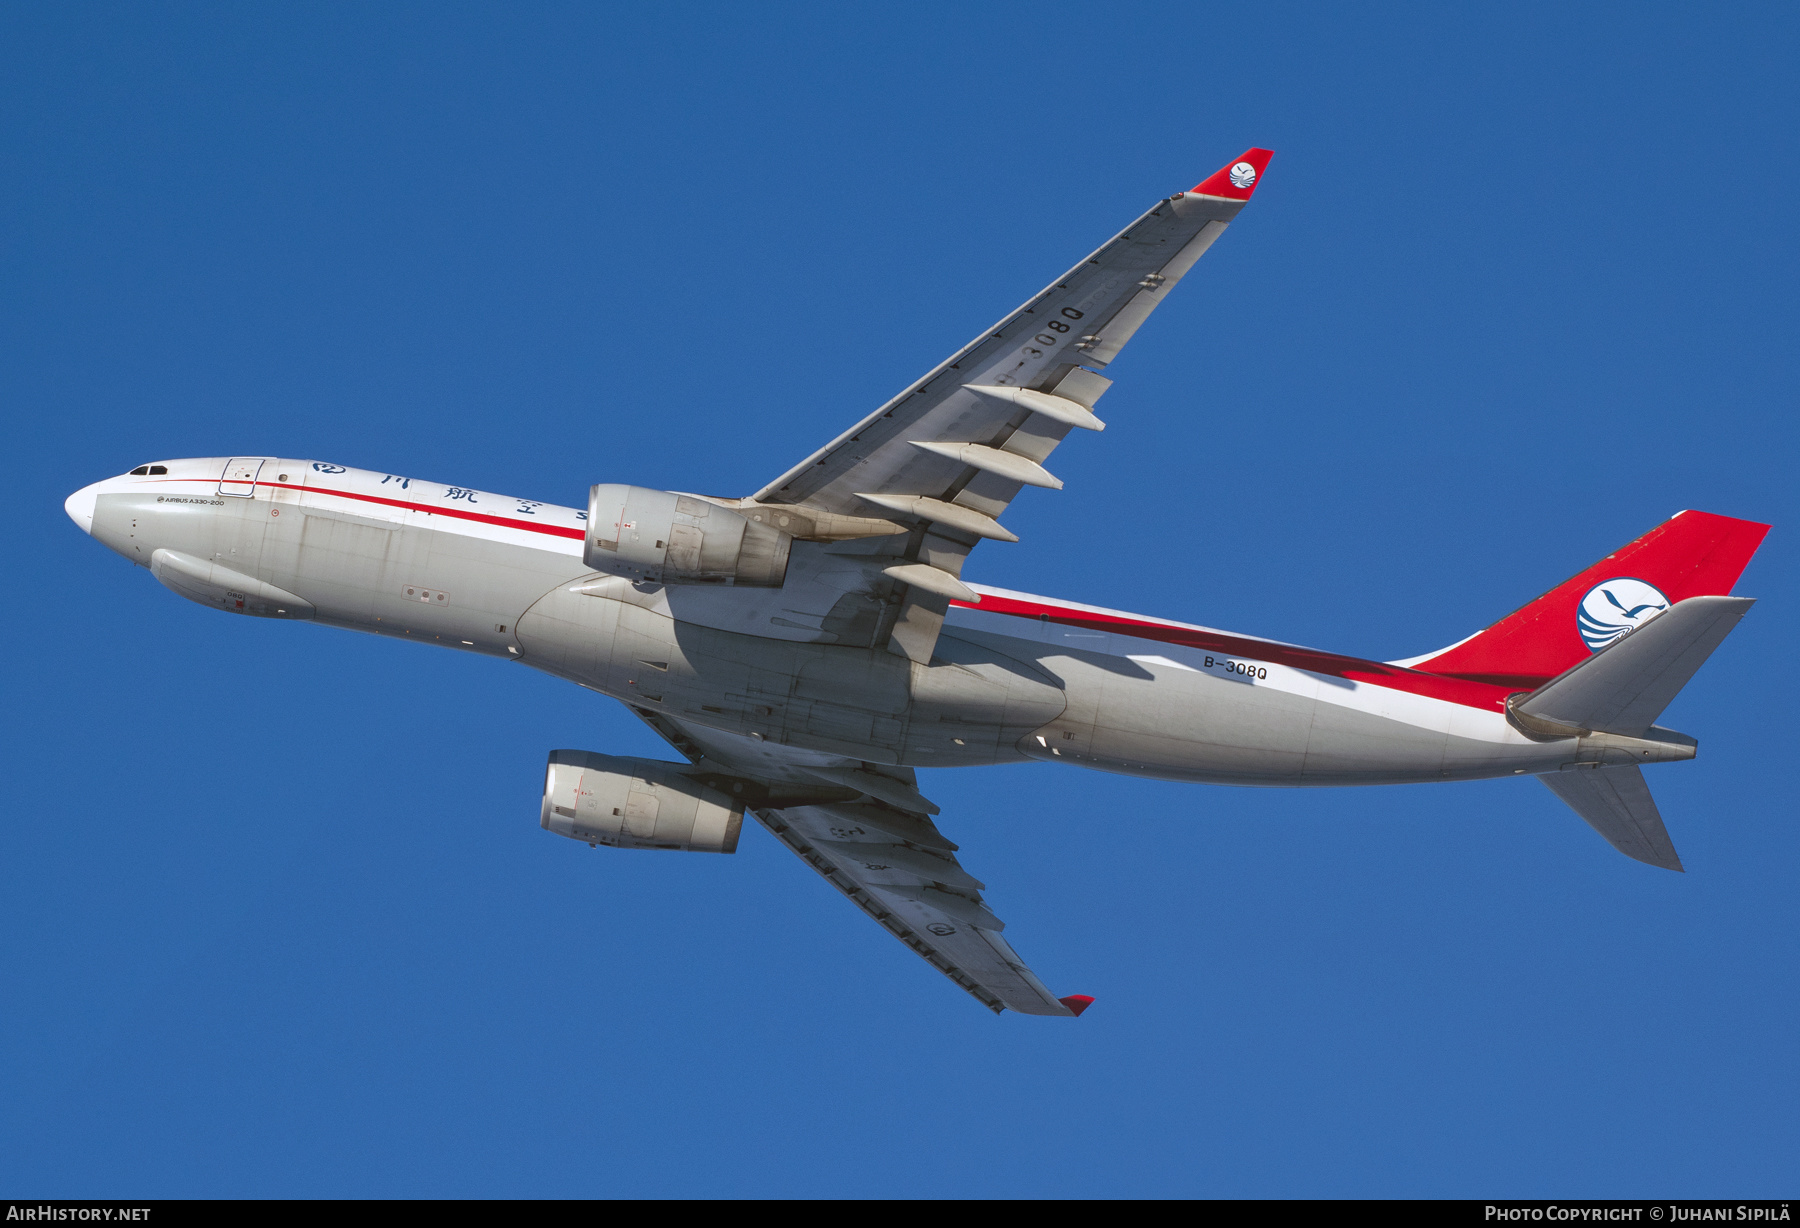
x=239, y=478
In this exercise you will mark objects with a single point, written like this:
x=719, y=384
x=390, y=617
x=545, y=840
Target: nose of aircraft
x=80, y=506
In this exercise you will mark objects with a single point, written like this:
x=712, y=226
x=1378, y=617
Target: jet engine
x=645, y=534
x=636, y=804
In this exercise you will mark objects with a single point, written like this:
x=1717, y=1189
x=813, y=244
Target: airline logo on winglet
x=1236, y=180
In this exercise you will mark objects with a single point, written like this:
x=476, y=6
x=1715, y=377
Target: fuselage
x=1015, y=677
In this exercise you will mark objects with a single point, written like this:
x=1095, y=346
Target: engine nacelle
x=645, y=534
x=636, y=804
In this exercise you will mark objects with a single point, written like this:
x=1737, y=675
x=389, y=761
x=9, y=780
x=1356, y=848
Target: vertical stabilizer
x=1616, y=802
x=1692, y=554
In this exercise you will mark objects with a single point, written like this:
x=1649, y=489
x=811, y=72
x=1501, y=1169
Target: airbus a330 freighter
x=808, y=647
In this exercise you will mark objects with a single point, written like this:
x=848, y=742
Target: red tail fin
x=1692, y=554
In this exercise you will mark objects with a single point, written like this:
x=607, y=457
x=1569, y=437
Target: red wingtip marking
x=1077, y=1002
x=1239, y=178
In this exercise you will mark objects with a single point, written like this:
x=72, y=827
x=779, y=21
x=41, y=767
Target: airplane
x=807, y=648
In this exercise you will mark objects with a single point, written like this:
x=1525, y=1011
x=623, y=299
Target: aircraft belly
x=356, y=572
x=985, y=697
x=975, y=702
x=970, y=706
x=347, y=565
x=571, y=636
x=415, y=583
x=1346, y=745
x=1125, y=716
x=1152, y=715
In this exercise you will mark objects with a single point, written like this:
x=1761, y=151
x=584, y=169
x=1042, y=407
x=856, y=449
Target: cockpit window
x=149, y=471
x=140, y=471
x=156, y=469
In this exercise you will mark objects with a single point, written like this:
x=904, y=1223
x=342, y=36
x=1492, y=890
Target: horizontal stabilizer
x=1625, y=687
x=1616, y=802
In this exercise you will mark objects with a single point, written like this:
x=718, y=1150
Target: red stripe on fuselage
x=479, y=517
x=1354, y=669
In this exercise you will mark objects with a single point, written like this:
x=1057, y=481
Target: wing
x=867, y=831
x=949, y=453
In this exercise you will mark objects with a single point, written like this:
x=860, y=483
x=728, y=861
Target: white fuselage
x=1019, y=677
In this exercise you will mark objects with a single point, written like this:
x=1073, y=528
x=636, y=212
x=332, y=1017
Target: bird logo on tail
x=1615, y=608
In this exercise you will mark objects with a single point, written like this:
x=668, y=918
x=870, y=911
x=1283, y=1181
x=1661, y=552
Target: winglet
x=1238, y=180
x=1077, y=1002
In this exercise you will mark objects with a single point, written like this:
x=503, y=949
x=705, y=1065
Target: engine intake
x=636, y=804
x=646, y=534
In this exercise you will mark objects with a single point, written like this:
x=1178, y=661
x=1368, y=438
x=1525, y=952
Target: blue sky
x=277, y=918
